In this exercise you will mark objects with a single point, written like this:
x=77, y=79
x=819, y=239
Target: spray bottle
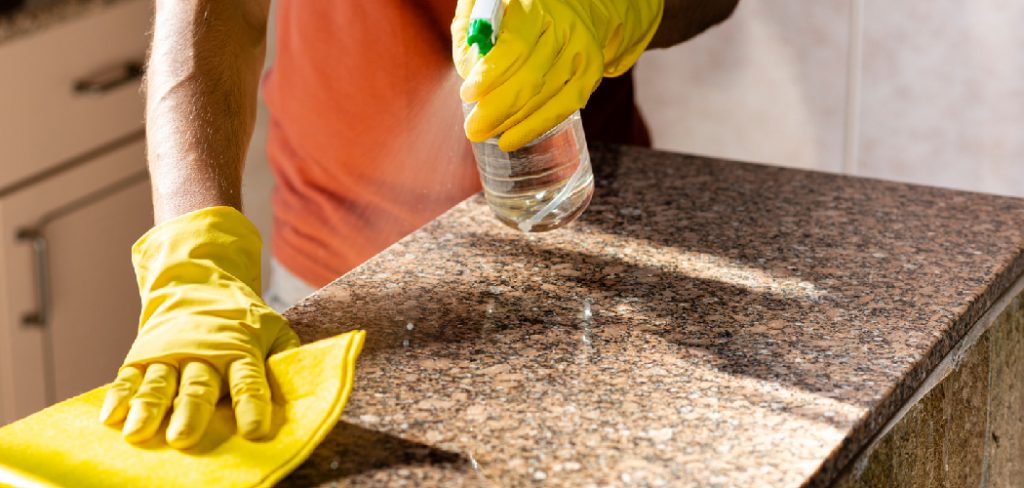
x=547, y=183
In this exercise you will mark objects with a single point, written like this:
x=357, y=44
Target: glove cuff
x=632, y=26
x=193, y=246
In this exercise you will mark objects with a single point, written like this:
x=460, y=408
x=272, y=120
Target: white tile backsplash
x=937, y=95
x=767, y=85
x=943, y=93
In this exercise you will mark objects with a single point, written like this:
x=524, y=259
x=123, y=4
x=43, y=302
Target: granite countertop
x=40, y=14
x=706, y=323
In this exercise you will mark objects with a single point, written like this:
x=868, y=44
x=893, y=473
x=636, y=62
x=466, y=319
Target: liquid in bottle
x=544, y=185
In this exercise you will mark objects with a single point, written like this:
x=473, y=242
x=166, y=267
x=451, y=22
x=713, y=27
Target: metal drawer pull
x=40, y=317
x=41, y=248
x=108, y=80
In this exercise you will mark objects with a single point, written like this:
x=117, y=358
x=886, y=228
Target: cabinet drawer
x=44, y=119
x=69, y=306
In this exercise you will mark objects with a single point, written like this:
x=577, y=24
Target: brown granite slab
x=747, y=326
x=962, y=426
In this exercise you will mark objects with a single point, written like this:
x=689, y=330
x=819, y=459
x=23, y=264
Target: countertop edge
x=877, y=419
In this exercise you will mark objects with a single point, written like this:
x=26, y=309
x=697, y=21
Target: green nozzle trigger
x=481, y=34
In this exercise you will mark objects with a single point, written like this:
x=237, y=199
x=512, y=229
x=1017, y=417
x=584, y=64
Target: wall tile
x=943, y=93
x=767, y=85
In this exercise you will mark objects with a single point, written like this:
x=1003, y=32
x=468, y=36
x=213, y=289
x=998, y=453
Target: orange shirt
x=366, y=140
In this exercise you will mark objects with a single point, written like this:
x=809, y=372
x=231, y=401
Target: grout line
x=851, y=134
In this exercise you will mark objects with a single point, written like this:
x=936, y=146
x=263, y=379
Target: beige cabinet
x=70, y=303
x=74, y=196
x=70, y=88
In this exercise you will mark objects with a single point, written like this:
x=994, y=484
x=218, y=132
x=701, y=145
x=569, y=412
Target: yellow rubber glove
x=550, y=56
x=203, y=325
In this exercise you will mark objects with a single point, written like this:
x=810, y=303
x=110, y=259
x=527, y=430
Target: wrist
x=635, y=24
x=197, y=246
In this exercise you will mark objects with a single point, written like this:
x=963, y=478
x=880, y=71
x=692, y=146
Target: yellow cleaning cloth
x=65, y=445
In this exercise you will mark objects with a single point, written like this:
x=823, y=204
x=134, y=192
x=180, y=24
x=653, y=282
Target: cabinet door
x=69, y=297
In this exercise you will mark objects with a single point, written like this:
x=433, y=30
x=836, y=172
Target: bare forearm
x=684, y=19
x=202, y=76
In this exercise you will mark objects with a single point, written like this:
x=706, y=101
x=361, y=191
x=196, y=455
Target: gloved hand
x=203, y=326
x=549, y=57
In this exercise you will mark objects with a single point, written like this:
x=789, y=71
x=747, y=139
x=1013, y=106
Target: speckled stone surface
x=940, y=441
x=963, y=426
x=747, y=326
x=46, y=13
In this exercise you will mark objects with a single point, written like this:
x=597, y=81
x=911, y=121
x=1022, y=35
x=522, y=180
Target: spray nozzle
x=484, y=22
x=481, y=35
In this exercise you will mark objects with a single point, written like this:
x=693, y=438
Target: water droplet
x=409, y=326
x=405, y=342
x=335, y=462
x=588, y=313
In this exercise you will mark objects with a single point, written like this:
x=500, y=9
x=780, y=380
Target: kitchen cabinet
x=74, y=196
x=71, y=306
x=70, y=88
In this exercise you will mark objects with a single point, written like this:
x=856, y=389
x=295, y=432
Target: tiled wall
x=926, y=91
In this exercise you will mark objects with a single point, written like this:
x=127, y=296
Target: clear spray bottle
x=547, y=183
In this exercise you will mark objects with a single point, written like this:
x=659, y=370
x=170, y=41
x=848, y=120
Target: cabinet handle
x=41, y=316
x=108, y=80
x=40, y=247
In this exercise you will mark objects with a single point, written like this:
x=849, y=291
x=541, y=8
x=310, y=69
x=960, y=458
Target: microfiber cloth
x=65, y=444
